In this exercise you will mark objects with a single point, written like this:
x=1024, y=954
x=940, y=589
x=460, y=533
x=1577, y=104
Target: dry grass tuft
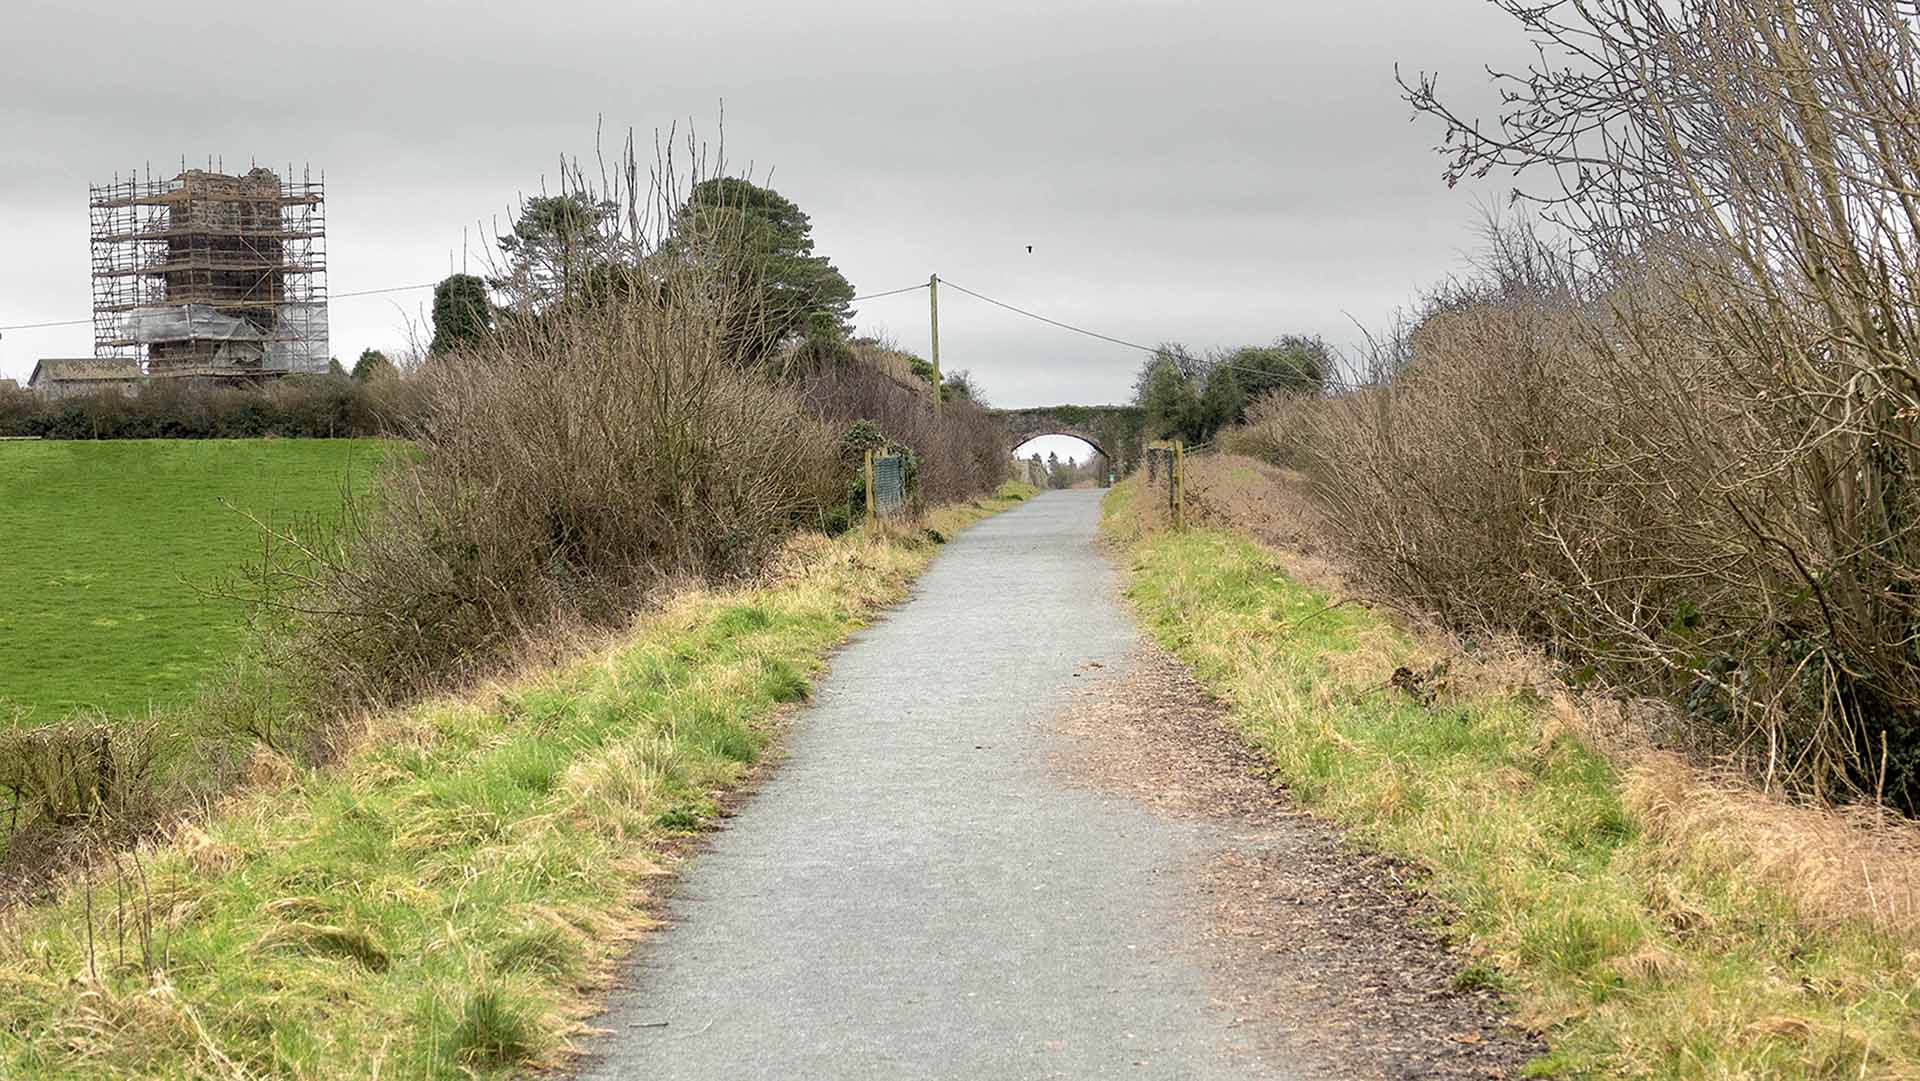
x=207, y=853
x=1836, y=865
x=1495, y=665
x=616, y=790
x=1651, y=964
x=268, y=768
x=1798, y=1029
x=327, y=940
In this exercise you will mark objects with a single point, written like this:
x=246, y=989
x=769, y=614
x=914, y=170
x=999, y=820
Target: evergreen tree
x=1165, y=390
x=761, y=245
x=462, y=313
x=560, y=251
x=1293, y=364
x=1221, y=403
x=373, y=364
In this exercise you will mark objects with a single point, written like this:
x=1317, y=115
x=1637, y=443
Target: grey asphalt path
x=913, y=894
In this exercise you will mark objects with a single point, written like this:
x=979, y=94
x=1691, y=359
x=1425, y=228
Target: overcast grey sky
x=1210, y=173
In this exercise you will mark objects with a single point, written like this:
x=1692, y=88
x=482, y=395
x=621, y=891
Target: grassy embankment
x=111, y=548
x=445, y=900
x=1652, y=924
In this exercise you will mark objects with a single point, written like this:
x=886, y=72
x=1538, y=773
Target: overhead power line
x=335, y=296
x=390, y=289
x=402, y=289
x=889, y=293
x=1325, y=380
x=36, y=326
x=1053, y=322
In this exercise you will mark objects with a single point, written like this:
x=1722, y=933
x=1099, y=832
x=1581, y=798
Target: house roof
x=84, y=370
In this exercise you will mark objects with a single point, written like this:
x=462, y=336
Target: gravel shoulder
x=1324, y=951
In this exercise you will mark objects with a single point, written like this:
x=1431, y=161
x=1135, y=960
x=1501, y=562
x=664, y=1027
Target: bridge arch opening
x=1065, y=461
x=1079, y=446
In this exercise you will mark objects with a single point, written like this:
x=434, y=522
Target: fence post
x=872, y=511
x=1173, y=492
x=1179, y=485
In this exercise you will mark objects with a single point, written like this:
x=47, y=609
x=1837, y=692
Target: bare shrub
x=78, y=769
x=562, y=469
x=1275, y=430
x=1741, y=175
x=1437, y=479
x=73, y=790
x=1577, y=474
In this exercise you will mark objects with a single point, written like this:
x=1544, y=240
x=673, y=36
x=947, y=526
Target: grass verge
x=1641, y=948
x=444, y=901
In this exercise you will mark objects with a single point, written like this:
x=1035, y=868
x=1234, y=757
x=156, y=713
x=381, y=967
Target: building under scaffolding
x=211, y=275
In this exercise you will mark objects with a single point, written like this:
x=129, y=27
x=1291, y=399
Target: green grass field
x=108, y=551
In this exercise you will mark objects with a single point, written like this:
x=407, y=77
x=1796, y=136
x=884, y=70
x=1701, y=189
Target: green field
x=108, y=549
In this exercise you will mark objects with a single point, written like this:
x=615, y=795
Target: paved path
x=913, y=894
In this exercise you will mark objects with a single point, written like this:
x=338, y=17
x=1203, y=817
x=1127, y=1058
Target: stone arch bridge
x=1112, y=430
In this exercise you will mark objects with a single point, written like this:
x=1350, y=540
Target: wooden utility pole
x=933, y=309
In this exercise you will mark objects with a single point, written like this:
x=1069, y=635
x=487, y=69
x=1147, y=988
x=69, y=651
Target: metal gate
x=889, y=484
x=886, y=484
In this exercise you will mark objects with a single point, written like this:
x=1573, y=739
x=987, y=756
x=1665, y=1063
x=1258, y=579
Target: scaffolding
x=211, y=275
